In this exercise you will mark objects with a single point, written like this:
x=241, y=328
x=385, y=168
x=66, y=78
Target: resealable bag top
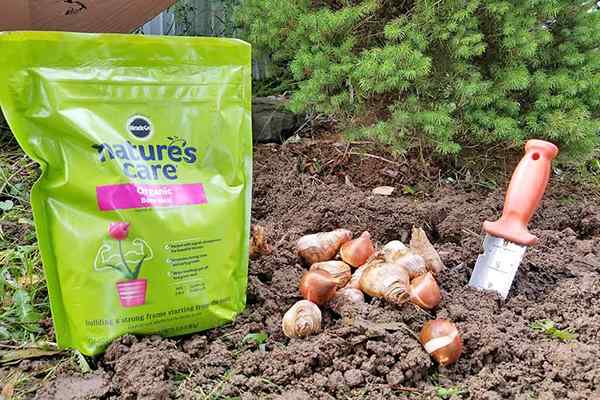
x=142, y=210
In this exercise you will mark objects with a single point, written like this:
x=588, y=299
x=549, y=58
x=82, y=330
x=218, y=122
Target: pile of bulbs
x=396, y=273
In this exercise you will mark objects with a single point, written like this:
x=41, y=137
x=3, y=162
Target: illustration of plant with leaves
x=176, y=140
x=129, y=263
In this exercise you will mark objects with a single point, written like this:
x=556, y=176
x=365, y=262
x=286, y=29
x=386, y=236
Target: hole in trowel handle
x=535, y=156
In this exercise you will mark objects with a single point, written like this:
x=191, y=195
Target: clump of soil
x=96, y=385
x=144, y=369
x=371, y=351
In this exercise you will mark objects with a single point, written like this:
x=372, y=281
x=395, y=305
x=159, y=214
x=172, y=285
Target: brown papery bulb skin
x=441, y=340
x=386, y=280
x=423, y=247
x=425, y=292
x=258, y=242
x=303, y=319
x=317, y=287
x=321, y=246
x=356, y=252
x=339, y=271
x=413, y=263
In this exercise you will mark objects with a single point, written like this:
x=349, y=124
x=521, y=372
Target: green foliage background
x=449, y=74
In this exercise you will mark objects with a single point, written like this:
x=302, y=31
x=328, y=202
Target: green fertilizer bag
x=142, y=209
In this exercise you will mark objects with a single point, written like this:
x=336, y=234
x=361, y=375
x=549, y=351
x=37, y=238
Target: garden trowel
x=507, y=238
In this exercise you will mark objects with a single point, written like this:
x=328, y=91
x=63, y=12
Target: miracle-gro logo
x=140, y=127
x=148, y=161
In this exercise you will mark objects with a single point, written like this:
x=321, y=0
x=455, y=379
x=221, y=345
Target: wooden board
x=121, y=16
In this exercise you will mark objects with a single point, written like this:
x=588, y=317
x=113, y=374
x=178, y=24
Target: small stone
x=354, y=377
x=370, y=365
x=570, y=234
x=295, y=394
x=395, y=377
x=155, y=339
x=335, y=380
x=584, y=246
x=319, y=381
x=129, y=340
x=383, y=190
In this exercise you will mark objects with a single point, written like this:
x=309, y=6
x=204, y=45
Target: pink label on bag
x=131, y=195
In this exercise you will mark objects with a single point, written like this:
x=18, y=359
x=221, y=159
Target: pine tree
x=451, y=73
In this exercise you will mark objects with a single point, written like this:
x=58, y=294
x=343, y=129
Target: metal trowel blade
x=496, y=268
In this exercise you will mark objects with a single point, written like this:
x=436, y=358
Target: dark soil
x=370, y=352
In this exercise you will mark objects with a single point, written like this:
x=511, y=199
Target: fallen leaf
x=294, y=139
x=348, y=182
x=468, y=177
x=390, y=173
x=29, y=280
x=12, y=356
x=82, y=362
x=258, y=242
x=7, y=392
x=383, y=190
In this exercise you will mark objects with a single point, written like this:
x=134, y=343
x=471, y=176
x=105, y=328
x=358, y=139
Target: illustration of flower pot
x=132, y=290
x=132, y=293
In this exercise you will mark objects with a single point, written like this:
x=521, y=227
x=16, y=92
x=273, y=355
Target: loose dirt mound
x=93, y=386
x=371, y=352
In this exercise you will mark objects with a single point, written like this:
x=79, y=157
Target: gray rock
x=271, y=122
x=335, y=380
x=395, y=377
x=584, y=246
x=354, y=377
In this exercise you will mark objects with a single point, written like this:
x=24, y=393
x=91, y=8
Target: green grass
x=567, y=200
x=23, y=294
x=196, y=392
x=258, y=339
x=548, y=327
x=448, y=393
x=22, y=288
x=24, y=384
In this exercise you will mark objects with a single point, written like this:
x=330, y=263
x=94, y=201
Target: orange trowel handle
x=525, y=191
